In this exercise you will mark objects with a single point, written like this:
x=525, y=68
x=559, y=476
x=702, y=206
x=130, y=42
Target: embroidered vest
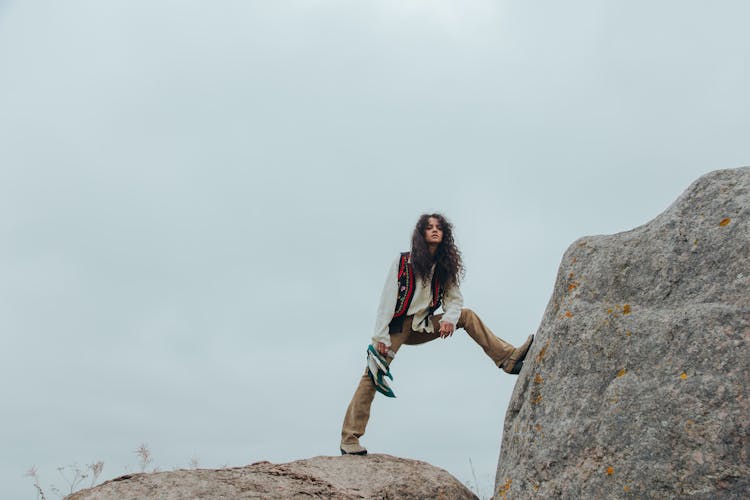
x=406, y=294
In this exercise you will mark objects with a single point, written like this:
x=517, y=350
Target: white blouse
x=453, y=301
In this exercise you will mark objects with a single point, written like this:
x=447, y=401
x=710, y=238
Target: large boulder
x=637, y=382
x=347, y=477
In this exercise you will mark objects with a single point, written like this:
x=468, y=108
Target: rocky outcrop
x=347, y=477
x=637, y=382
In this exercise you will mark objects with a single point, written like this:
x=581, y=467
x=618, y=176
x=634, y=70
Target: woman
x=418, y=283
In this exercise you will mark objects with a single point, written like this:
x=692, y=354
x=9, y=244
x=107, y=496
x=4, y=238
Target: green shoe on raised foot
x=514, y=363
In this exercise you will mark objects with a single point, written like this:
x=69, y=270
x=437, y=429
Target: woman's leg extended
x=496, y=348
x=358, y=413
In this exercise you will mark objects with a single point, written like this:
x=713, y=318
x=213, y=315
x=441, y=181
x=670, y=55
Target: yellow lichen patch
x=536, y=487
x=628, y=333
x=683, y=376
x=568, y=314
x=542, y=353
x=610, y=310
x=610, y=471
x=503, y=490
x=538, y=379
x=626, y=488
x=536, y=400
x=621, y=373
x=626, y=309
x=725, y=222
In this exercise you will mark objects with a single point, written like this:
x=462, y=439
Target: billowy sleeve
x=453, y=302
x=387, y=305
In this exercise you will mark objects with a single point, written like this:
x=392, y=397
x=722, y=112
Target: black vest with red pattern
x=406, y=294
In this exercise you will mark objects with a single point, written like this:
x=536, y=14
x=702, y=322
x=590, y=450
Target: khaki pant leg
x=416, y=338
x=496, y=348
x=358, y=413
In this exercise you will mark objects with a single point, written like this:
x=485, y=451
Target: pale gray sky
x=199, y=202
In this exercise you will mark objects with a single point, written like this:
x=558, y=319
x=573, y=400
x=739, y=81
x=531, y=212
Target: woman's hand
x=446, y=329
x=382, y=348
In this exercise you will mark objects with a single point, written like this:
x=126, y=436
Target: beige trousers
x=358, y=412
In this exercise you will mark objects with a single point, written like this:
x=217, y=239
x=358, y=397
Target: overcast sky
x=199, y=202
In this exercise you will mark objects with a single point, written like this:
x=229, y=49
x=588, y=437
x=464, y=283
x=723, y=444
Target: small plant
x=34, y=474
x=71, y=474
x=144, y=455
x=474, y=486
x=96, y=469
x=74, y=475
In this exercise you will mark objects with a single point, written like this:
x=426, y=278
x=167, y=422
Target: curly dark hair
x=449, y=267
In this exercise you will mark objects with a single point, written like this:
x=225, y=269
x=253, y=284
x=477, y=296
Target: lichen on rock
x=640, y=370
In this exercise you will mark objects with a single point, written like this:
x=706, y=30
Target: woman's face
x=433, y=233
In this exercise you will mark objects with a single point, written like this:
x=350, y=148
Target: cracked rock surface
x=346, y=477
x=637, y=383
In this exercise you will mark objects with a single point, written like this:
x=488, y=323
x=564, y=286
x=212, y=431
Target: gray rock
x=347, y=477
x=637, y=383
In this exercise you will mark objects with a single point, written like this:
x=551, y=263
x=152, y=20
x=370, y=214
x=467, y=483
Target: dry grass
x=474, y=487
x=73, y=475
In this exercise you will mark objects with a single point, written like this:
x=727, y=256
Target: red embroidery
x=406, y=282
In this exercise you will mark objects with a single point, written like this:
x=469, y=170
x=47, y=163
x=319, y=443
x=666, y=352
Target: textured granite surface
x=637, y=383
x=344, y=478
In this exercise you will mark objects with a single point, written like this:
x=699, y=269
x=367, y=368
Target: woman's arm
x=387, y=306
x=453, y=302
